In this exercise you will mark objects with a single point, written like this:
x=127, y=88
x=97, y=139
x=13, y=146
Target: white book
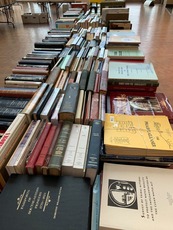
x=54, y=117
x=11, y=137
x=140, y=198
x=78, y=117
x=81, y=152
x=23, y=148
x=50, y=105
x=69, y=156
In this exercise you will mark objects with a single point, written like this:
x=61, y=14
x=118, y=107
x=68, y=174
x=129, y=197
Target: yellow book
x=138, y=135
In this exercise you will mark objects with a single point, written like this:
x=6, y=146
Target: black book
x=41, y=62
x=94, y=149
x=69, y=104
x=13, y=102
x=84, y=79
x=26, y=77
x=91, y=81
x=46, y=203
x=5, y=124
x=38, y=109
x=10, y=113
x=49, y=44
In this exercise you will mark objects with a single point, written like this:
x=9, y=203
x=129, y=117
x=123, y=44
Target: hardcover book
x=140, y=104
x=143, y=194
x=69, y=104
x=45, y=202
x=145, y=135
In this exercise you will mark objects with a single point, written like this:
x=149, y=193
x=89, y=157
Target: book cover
x=141, y=104
x=45, y=202
x=137, y=72
x=142, y=194
x=145, y=135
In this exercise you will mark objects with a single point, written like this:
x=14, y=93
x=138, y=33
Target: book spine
x=56, y=159
x=95, y=209
x=92, y=164
x=44, y=151
x=91, y=81
x=84, y=79
x=51, y=149
x=95, y=106
x=69, y=156
x=54, y=117
x=81, y=152
x=36, y=151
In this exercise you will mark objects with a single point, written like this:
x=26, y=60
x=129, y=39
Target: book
x=53, y=76
x=95, y=210
x=141, y=104
x=49, y=107
x=132, y=72
x=94, y=114
x=28, y=110
x=69, y=156
x=79, y=164
x=54, y=118
x=124, y=40
x=135, y=54
x=137, y=192
x=145, y=135
x=92, y=164
x=21, y=92
x=16, y=164
x=42, y=200
x=40, y=105
x=55, y=163
x=30, y=164
x=45, y=170
x=26, y=77
x=80, y=105
x=9, y=142
x=45, y=148
x=69, y=104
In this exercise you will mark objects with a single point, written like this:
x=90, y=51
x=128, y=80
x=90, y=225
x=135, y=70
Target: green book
x=131, y=72
x=56, y=159
x=135, y=54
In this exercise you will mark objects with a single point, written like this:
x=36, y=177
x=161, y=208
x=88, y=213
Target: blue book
x=95, y=214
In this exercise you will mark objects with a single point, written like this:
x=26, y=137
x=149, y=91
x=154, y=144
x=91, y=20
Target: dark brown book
x=69, y=104
x=94, y=114
x=21, y=92
x=53, y=75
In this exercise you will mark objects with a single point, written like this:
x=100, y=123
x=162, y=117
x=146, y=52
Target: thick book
x=21, y=92
x=143, y=194
x=145, y=135
x=30, y=164
x=79, y=164
x=69, y=156
x=92, y=164
x=46, y=202
x=55, y=163
x=26, y=77
x=69, y=104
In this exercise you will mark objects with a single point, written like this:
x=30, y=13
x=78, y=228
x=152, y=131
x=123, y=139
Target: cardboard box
x=43, y=18
x=30, y=18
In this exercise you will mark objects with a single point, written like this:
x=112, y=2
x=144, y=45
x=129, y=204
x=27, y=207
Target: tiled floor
x=153, y=24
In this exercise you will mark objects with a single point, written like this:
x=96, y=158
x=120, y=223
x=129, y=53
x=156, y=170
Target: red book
x=51, y=147
x=137, y=103
x=94, y=114
x=30, y=166
x=45, y=149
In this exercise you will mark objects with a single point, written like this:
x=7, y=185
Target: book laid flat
x=143, y=194
x=140, y=104
x=45, y=202
x=133, y=72
x=135, y=54
x=138, y=135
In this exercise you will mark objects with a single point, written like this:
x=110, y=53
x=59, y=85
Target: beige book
x=79, y=164
x=78, y=117
x=138, y=197
x=29, y=108
x=69, y=156
x=16, y=164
